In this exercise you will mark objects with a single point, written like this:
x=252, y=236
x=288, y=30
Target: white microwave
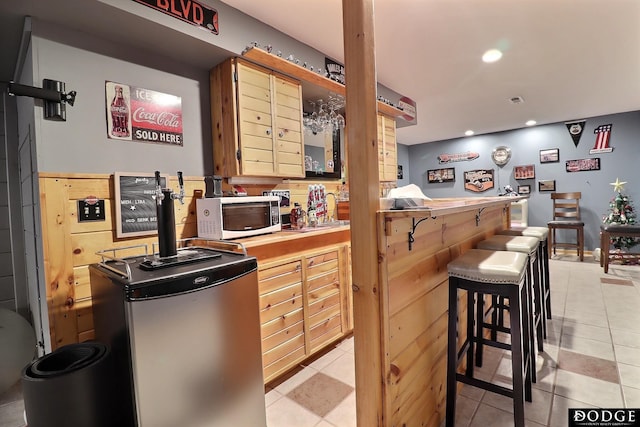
x=235, y=217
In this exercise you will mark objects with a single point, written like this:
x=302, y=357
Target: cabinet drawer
x=280, y=309
x=282, y=336
x=280, y=323
x=333, y=277
x=280, y=295
x=282, y=350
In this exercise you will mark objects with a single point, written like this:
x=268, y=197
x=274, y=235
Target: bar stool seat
x=542, y=233
x=500, y=273
x=529, y=246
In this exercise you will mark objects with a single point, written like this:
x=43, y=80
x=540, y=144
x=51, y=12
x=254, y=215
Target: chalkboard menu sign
x=136, y=213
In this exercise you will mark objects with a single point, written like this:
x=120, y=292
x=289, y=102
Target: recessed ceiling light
x=469, y=132
x=530, y=122
x=492, y=55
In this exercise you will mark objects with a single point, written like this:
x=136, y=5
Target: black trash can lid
x=67, y=359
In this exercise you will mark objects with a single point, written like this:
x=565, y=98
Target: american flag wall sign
x=603, y=137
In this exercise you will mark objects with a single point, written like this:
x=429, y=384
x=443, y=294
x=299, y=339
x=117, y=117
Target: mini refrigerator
x=185, y=337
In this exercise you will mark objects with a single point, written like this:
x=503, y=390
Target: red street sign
x=190, y=11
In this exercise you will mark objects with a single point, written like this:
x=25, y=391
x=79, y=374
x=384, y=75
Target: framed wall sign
x=524, y=172
x=524, y=189
x=441, y=175
x=550, y=155
x=478, y=180
x=592, y=164
x=547, y=185
x=135, y=203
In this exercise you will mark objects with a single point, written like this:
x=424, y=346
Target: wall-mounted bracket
x=413, y=229
x=478, y=216
x=53, y=94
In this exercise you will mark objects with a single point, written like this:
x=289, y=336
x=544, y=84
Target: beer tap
x=159, y=196
x=180, y=195
x=166, y=216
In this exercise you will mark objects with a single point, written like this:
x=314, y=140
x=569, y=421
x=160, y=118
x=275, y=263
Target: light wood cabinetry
x=387, y=151
x=304, y=303
x=257, y=121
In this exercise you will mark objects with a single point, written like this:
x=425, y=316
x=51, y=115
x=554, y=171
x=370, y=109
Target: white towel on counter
x=410, y=191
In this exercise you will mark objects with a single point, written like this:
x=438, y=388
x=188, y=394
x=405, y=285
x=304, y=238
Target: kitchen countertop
x=444, y=206
x=286, y=235
x=286, y=243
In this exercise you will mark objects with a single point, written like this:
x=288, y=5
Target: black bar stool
x=528, y=246
x=501, y=273
x=542, y=234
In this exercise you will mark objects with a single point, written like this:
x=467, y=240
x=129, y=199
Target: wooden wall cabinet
x=256, y=121
x=304, y=306
x=387, y=151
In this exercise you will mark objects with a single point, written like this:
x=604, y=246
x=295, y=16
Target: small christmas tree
x=621, y=212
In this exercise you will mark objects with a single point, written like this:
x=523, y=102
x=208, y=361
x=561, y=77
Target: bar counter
x=415, y=246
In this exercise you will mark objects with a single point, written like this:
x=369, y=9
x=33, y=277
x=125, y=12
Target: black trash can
x=72, y=386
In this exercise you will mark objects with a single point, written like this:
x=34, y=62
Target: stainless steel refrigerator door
x=197, y=358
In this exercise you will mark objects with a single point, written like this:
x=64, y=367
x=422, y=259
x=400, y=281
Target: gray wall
x=403, y=160
x=525, y=145
x=7, y=292
x=80, y=144
x=29, y=207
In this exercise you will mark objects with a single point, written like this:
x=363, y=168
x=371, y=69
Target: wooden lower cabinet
x=304, y=306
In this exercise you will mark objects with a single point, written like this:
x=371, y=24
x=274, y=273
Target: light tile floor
x=591, y=359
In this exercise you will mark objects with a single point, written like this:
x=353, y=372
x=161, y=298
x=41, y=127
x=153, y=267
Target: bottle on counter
x=311, y=216
x=297, y=216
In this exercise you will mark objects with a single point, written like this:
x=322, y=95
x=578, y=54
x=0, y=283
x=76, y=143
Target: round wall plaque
x=501, y=155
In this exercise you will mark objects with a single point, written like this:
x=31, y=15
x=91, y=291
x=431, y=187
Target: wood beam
x=360, y=74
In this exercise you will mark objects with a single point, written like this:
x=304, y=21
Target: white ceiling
x=568, y=59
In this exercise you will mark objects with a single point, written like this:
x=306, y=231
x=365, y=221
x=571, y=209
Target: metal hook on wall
x=53, y=94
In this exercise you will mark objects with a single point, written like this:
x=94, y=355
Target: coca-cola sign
x=137, y=114
x=190, y=11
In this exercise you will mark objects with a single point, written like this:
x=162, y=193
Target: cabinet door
x=387, y=152
x=288, y=135
x=303, y=306
x=255, y=121
x=269, y=124
x=281, y=316
x=324, y=298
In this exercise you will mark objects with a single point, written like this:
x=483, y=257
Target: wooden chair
x=566, y=216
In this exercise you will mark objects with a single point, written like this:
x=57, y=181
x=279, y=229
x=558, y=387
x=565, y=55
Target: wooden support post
x=360, y=73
